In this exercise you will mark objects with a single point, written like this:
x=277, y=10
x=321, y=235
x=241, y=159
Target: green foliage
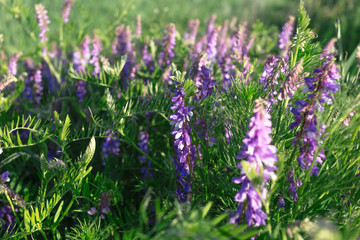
x=66, y=198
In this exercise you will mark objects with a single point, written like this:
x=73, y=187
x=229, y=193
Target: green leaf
x=57, y=214
x=65, y=130
x=12, y=157
x=206, y=210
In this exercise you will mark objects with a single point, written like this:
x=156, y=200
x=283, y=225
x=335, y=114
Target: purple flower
x=82, y=56
x=169, y=41
x=7, y=218
x=198, y=48
x=329, y=48
x=268, y=70
x=294, y=184
x=358, y=56
x=43, y=21
x=286, y=33
x=121, y=46
x=210, y=26
x=193, y=26
x=291, y=83
x=143, y=144
x=13, y=64
x=211, y=45
x=207, y=83
x=110, y=146
x=281, y=203
x=319, y=89
x=103, y=205
x=33, y=87
x=95, y=53
x=201, y=74
x=67, y=7
x=226, y=68
x=138, y=26
x=250, y=199
x=238, y=42
x=184, y=149
x=38, y=85
x=4, y=177
x=261, y=156
x=80, y=90
x=147, y=59
x=222, y=46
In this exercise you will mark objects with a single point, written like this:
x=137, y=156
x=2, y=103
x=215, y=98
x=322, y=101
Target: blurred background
x=17, y=17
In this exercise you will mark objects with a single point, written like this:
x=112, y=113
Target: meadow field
x=185, y=119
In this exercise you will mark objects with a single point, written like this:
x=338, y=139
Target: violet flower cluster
x=294, y=184
x=143, y=144
x=184, y=149
x=43, y=21
x=122, y=46
x=201, y=74
x=193, y=26
x=81, y=58
x=67, y=7
x=319, y=89
x=33, y=87
x=13, y=64
x=103, y=205
x=95, y=53
x=261, y=158
x=138, y=26
x=284, y=37
x=168, y=44
x=110, y=146
x=7, y=218
x=147, y=59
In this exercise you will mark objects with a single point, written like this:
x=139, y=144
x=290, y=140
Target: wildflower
x=261, y=156
x=4, y=177
x=111, y=145
x=138, y=26
x=291, y=83
x=281, y=203
x=82, y=56
x=80, y=90
x=95, y=53
x=7, y=81
x=238, y=42
x=319, y=89
x=147, y=59
x=285, y=35
x=185, y=151
x=210, y=26
x=143, y=144
x=169, y=41
x=294, y=184
x=34, y=89
x=346, y=122
x=67, y=7
x=358, y=55
x=43, y=21
x=7, y=218
x=211, y=45
x=122, y=46
x=38, y=85
x=13, y=64
x=193, y=26
x=329, y=48
x=103, y=205
x=222, y=45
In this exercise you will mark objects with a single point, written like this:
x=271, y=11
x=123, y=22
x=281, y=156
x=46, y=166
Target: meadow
x=179, y=120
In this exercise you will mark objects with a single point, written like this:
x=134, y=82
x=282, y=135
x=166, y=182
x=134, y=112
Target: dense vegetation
x=218, y=128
